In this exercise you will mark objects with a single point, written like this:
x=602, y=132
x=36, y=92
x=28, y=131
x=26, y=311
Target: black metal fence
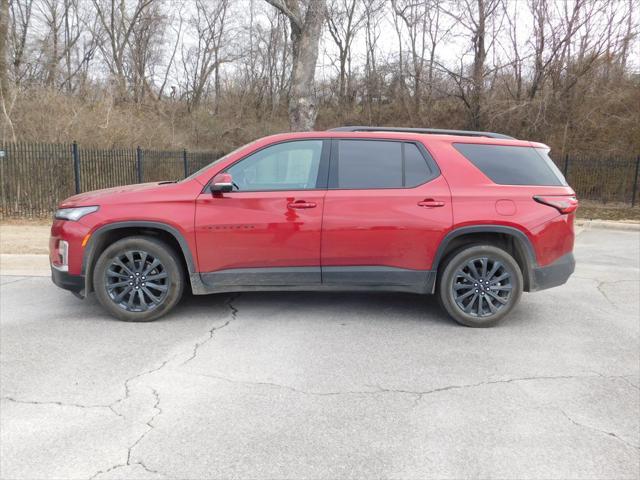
x=35, y=177
x=603, y=179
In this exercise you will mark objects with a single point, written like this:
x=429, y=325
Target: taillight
x=562, y=203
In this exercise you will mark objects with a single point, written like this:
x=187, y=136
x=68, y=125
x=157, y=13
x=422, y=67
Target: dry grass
x=17, y=222
x=95, y=119
x=601, y=124
x=25, y=236
x=608, y=211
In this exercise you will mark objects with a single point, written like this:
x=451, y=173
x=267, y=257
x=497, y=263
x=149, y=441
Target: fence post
x=566, y=165
x=139, y=164
x=76, y=165
x=185, y=162
x=635, y=183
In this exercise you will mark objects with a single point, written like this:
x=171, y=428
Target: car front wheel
x=479, y=285
x=138, y=279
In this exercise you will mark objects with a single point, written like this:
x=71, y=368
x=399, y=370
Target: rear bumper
x=554, y=274
x=73, y=283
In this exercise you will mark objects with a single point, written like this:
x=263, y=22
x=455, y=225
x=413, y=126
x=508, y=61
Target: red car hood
x=96, y=197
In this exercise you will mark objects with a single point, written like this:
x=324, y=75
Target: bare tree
x=400, y=75
x=372, y=10
x=414, y=16
x=117, y=21
x=277, y=57
x=20, y=14
x=630, y=33
x=478, y=28
x=4, y=34
x=306, y=26
x=474, y=17
x=62, y=31
x=267, y=66
x=513, y=52
x=344, y=20
x=551, y=38
x=200, y=62
x=5, y=101
x=145, y=52
x=422, y=22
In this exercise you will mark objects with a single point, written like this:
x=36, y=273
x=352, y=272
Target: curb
x=608, y=225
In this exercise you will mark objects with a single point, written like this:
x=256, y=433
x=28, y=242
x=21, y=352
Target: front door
x=267, y=231
x=385, y=213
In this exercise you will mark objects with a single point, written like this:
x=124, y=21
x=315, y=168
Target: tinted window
x=416, y=169
x=369, y=164
x=513, y=165
x=285, y=166
x=366, y=164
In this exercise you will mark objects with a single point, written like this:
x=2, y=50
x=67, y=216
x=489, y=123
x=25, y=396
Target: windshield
x=199, y=172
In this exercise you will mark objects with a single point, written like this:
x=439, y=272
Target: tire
x=125, y=291
x=460, y=284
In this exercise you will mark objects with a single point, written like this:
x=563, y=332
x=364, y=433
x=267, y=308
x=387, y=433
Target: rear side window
x=367, y=164
x=416, y=169
x=508, y=165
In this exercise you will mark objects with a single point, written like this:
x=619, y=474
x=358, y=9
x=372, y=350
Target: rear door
x=266, y=231
x=385, y=213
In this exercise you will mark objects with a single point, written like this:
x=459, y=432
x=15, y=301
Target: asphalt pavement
x=326, y=385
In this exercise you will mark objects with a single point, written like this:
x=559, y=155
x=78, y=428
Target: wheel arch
x=511, y=239
x=111, y=232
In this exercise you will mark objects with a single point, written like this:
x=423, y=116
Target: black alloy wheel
x=137, y=281
x=479, y=285
x=482, y=286
x=139, y=278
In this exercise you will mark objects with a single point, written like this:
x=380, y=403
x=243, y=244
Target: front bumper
x=73, y=234
x=553, y=275
x=73, y=283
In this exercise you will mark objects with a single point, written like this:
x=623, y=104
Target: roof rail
x=433, y=131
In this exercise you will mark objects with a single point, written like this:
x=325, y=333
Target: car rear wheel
x=138, y=279
x=480, y=285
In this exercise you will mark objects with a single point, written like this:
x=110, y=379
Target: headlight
x=74, y=214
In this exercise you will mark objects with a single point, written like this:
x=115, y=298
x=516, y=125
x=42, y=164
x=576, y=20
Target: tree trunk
x=5, y=102
x=477, y=75
x=305, y=38
x=4, y=30
x=342, y=89
x=303, y=107
x=53, y=60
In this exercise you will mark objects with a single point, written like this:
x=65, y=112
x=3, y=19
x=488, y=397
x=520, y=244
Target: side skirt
x=347, y=278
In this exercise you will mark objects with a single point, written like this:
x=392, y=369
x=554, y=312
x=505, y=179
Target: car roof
x=410, y=136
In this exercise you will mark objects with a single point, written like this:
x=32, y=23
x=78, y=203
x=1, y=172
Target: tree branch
x=293, y=16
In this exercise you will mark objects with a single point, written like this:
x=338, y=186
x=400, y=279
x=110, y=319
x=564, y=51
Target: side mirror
x=222, y=183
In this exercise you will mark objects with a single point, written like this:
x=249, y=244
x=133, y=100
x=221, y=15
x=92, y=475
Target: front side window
x=369, y=164
x=285, y=166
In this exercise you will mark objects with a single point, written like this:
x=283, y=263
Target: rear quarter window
x=507, y=165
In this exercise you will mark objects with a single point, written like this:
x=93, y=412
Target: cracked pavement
x=325, y=385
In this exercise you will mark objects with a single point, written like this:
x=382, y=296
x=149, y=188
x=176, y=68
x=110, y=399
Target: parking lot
x=325, y=385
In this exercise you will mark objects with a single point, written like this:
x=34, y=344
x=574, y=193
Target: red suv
x=475, y=217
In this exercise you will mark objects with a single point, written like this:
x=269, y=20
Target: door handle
x=301, y=204
x=430, y=203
